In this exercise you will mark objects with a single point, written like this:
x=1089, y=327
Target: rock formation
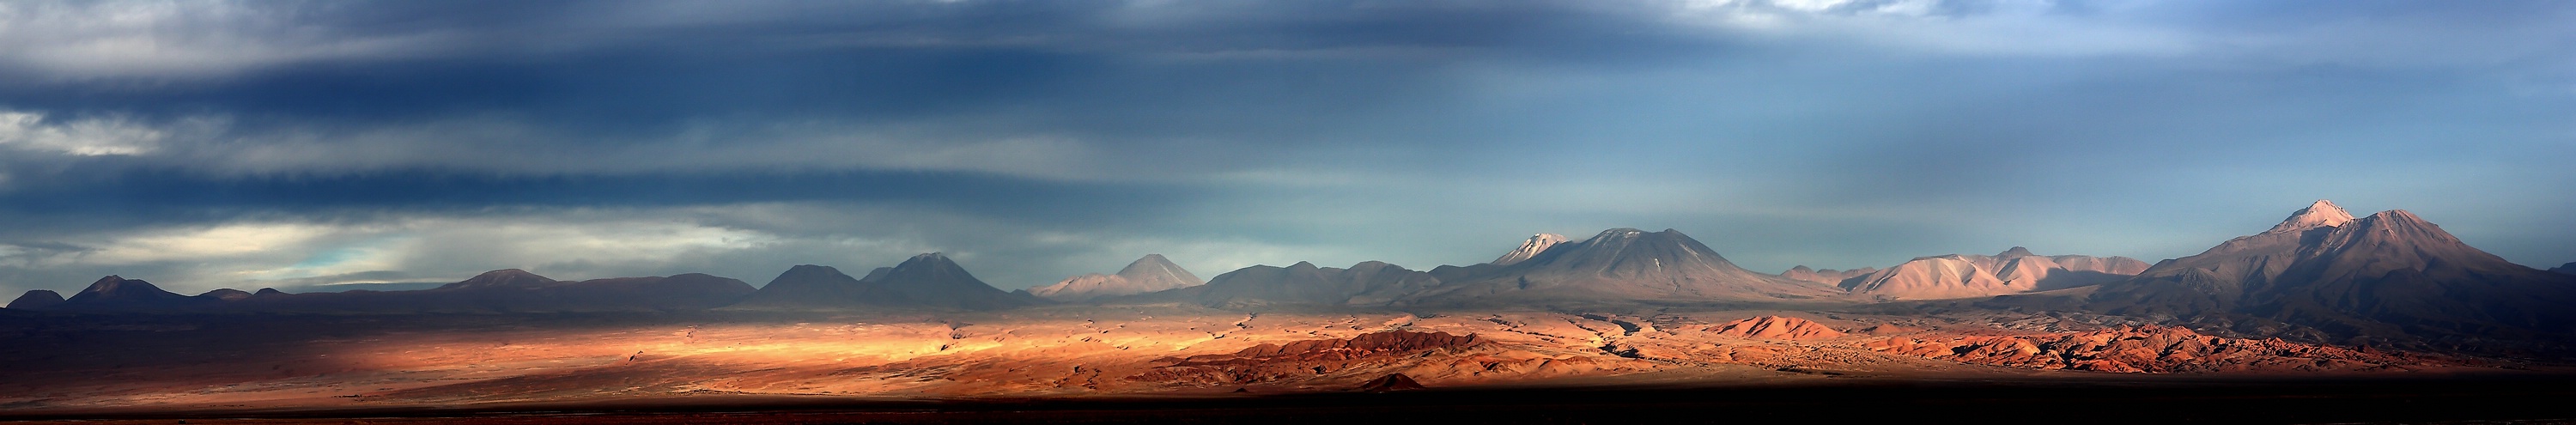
x=1775, y=327
x=1390, y=382
x=2145, y=349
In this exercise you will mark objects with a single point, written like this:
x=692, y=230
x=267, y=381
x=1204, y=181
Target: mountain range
x=498, y=291
x=925, y=281
x=2320, y=271
x=1369, y=283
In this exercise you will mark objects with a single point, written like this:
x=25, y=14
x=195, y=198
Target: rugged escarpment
x=2147, y=349
x=1775, y=327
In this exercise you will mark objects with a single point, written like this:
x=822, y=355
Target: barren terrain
x=259, y=363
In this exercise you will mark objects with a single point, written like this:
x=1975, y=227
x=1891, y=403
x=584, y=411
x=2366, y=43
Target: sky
x=298, y=145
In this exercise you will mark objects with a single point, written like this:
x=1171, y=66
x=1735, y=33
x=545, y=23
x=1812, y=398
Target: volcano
x=1149, y=274
x=2386, y=275
x=1618, y=265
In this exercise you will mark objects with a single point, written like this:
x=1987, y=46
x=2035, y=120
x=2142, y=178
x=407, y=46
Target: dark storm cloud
x=139, y=195
x=1042, y=139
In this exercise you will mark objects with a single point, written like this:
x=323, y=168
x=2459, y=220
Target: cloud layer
x=213, y=144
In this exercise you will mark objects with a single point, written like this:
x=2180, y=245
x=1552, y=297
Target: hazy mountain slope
x=1537, y=243
x=2115, y=265
x=1942, y=277
x=1622, y=265
x=2391, y=273
x=1826, y=276
x=510, y=291
x=808, y=285
x=2013, y=271
x=1149, y=274
x=1364, y=284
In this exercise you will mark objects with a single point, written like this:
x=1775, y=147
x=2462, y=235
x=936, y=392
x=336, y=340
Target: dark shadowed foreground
x=1188, y=364
x=2490, y=399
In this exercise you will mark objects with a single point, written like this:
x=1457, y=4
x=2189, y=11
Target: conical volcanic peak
x=1536, y=244
x=2569, y=268
x=503, y=278
x=812, y=286
x=933, y=280
x=807, y=274
x=931, y=267
x=1155, y=273
x=116, y=288
x=2391, y=274
x=36, y=299
x=2323, y=213
x=1618, y=265
x=2015, y=252
x=1152, y=273
x=1626, y=252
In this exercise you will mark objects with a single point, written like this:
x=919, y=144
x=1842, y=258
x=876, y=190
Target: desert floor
x=1078, y=364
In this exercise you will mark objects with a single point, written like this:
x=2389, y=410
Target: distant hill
x=2013, y=271
x=930, y=281
x=37, y=299
x=1368, y=283
x=1617, y=265
x=1826, y=276
x=1149, y=274
x=498, y=291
